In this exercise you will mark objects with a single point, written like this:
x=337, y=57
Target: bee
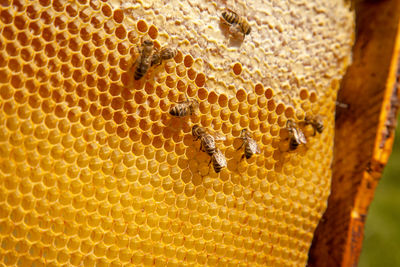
x=144, y=61
x=207, y=139
x=164, y=54
x=250, y=145
x=296, y=136
x=341, y=105
x=316, y=123
x=184, y=108
x=238, y=24
x=218, y=160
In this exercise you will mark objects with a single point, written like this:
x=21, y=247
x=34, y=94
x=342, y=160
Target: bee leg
x=137, y=51
x=315, y=132
x=223, y=21
x=202, y=147
x=235, y=30
x=240, y=146
x=209, y=168
x=159, y=63
x=242, y=157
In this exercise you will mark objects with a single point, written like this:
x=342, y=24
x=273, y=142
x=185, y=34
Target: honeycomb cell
x=200, y=80
x=237, y=68
x=141, y=26
x=188, y=61
x=153, y=32
x=9, y=32
x=304, y=94
x=6, y=16
x=313, y=97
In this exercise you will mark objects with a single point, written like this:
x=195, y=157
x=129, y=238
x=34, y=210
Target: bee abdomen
x=248, y=152
x=230, y=17
x=293, y=144
x=140, y=71
x=179, y=111
x=217, y=167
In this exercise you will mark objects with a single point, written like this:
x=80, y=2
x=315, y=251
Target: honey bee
x=250, y=145
x=184, y=108
x=207, y=139
x=341, y=105
x=316, y=123
x=296, y=136
x=218, y=160
x=144, y=61
x=237, y=23
x=165, y=54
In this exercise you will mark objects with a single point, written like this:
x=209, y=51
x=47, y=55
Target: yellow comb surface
x=95, y=172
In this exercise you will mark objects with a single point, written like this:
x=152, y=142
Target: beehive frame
x=371, y=85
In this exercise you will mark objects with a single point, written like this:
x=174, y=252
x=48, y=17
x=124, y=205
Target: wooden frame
x=364, y=133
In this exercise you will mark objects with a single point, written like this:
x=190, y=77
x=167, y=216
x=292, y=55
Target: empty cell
x=118, y=15
x=9, y=32
x=72, y=10
x=237, y=68
x=6, y=16
x=141, y=26
x=200, y=80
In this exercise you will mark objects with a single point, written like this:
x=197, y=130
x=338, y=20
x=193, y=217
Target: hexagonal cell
x=141, y=26
x=6, y=16
x=191, y=74
x=48, y=16
x=118, y=15
x=237, y=68
x=188, y=61
x=9, y=32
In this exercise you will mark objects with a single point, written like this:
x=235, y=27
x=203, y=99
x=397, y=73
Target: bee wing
x=217, y=136
x=230, y=10
x=220, y=158
x=300, y=136
x=254, y=147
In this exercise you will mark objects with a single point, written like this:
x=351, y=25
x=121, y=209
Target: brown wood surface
x=364, y=133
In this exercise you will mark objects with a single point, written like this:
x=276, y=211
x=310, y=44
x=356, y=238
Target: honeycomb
x=94, y=170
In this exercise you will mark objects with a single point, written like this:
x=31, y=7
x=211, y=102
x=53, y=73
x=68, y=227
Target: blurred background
x=381, y=245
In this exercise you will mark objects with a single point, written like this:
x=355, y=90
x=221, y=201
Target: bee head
x=290, y=124
x=248, y=31
x=148, y=42
x=243, y=133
